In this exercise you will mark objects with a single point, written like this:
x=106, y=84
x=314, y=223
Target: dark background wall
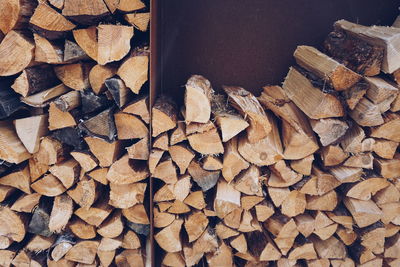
x=248, y=42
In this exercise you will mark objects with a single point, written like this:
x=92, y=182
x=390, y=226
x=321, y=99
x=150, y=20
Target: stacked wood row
x=74, y=132
x=306, y=174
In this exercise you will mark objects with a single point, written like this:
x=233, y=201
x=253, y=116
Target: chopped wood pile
x=306, y=174
x=74, y=132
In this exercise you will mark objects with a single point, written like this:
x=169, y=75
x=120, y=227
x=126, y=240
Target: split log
x=61, y=247
x=278, y=195
x=320, y=183
x=130, y=240
x=71, y=137
x=329, y=130
x=138, y=20
x=285, y=232
x=19, y=179
x=385, y=37
x=127, y=257
x=389, y=129
x=112, y=227
x=49, y=23
x=86, y=160
x=354, y=94
x=249, y=182
x=102, y=125
x=140, y=108
x=59, y=119
x=205, y=179
x=16, y=53
x=99, y=175
x=294, y=204
x=134, y=70
x=164, y=116
x=136, y=214
x=46, y=51
x=87, y=40
x=34, y=79
x=39, y=243
x=26, y=203
x=333, y=155
x=161, y=142
x=30, y=130
x=206, y=142
x=168, y=238
x=331, y=248
x=364, y=212
x=98, y=75
x=90, y=103
x=13, y=224
x=57, y=3
x=162, y=219
x=139, y=150
x=49, y=186
x=105, y=152
x=61, y=213
x=248, y=105
x=339, y=77
x=305, y=224
x=366, y=113
x=126, y=195
x=362, y=160
x=311, y=100
x=41, y=99
x=36, y=169
x=12, y=150
x=385, y=148
x=113, y=42
x=129, y=126
x=267, y=151
x=81, y=229
x=326, y=202
x=352, y=141
x=226, y=200
x=198, y=95
x=39, y=222
x=303, y=166
x=346, y=174
x=230, y=125
x=68, y=101
x=196, y=200
x=87, y=12
x=130, y=6
x=355, y=53
x=211, y=163
x=381, y=93
x=75, y=76
x=85, y=193
x=154, y=159
x=388, y=168
x=124, y=171
x=118, y=90
x=182, y=156
x=15, y=14
x=83, y=252
x=178, y=134
x=96, y=214
x=296, y=130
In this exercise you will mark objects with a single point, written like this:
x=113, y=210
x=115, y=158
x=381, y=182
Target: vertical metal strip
x=152, y=95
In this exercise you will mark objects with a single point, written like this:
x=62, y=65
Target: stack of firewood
x=304, y=175
x=73, y=124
